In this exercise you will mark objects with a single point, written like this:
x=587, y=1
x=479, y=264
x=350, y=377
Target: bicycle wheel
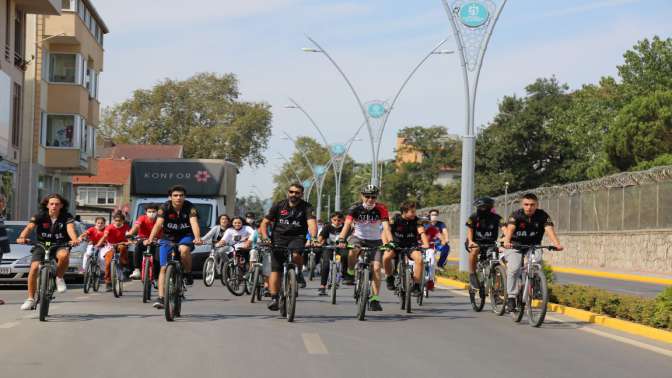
x=538, y=299
x=235, y=281
x=87, y=278
x=114, y=272
x=408, y=288
x=293, y=291
x=423, y=285
x=223, y=271
x=43, y=292
x=209, y=271
x=477, y=300
x=146, y=281
x=332, y=280
x=363, y=294
x=311, y=267
x=498, y=290
x=171, y=292
x=96, y=277
x=256, y=288
x=283, y=296
x=180, y=286
x=517, y=314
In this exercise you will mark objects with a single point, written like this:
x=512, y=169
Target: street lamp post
x=472, y=22
x=376, y=113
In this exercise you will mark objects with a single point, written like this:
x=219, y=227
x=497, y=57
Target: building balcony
x=69, y=29
x=52, y=7
x=70, y=99
x=69, y=161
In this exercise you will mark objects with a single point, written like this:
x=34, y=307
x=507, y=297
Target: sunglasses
x=295, y=192
x=370, y=197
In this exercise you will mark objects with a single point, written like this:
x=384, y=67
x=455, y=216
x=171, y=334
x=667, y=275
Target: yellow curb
x=589, y=317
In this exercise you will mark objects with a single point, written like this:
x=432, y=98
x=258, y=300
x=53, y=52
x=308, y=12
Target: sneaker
x=322, y=291
x=267, y=294
x=29, y=304
x=189, y=278
x=136, y=274
x=301, y=281
x=159, y=303
x=274, y=305
x=108, y=287
x=374, y=305
x=430, y=285
x=390, y=283
x=60, y=285
x=510, y=304
x=416, y=291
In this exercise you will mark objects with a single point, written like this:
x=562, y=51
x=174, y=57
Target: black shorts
x=38, y=254
x=377, y=255
x=279, y=254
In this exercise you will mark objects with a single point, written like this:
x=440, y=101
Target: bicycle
x=234, y=273
x=147, y=272
x=335, y=271
x=174, y=284
x=363, y=280
x=426, y=258
x=116, y=273
x=256, y=277
x=534, y=293
x=46, y=283
x=491, y=276
x=214, y=265
x=312, y=258
x=92, y=272
x=290, y=287
x=404, y=277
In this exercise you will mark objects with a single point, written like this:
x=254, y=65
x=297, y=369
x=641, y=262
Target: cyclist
x=289, y=219
x=177, y=218
x=406, y=230
x=217, y=232
x=483, y=227
x=143, y=228
x=93, y=235
x=250, y=219
x=329, y=236
x=366, y=219
x=438, y=233
x=526, y=226
x=239, y=237
x=54, y=224
x=114, y=233
x=432, y=234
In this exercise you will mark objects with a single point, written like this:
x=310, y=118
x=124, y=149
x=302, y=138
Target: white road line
x=313, y=343
x=8, y=325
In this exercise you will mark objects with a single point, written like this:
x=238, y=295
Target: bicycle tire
x=96, y=278
x=311, y=267
x=222, y=271
x=87, y=278
x=283, y=297
x=408, y=285
x=498, y=290
x=235, y=281
x=256, y=289
x=179, y=293
x=115, y=279
x=332, y=279
x=146, y=281
x=538, y=294
x=477, y=301
x=171, y=292
x=518, y=313
x=292, y=294
x=43, y=290
x=363, y=295
x=423, y=285
x=209, y=272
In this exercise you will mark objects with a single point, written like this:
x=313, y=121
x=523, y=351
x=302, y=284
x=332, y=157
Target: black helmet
x=370, y=190
x=484, y=202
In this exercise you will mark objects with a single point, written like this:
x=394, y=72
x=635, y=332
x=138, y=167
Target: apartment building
x=61, y=107
x=14, y=59
x=446, y=175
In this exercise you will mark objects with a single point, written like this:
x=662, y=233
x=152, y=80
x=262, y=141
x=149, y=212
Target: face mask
x=249, y=220
x=367, y=206
x=151, y=215
x=434, y=218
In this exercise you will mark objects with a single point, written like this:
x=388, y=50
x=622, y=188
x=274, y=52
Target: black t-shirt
x=486, y=227
x=177, y=225
x=405, y=231
x=529, y=230
x=55, y=232
x=288, y=221
x=330, y=233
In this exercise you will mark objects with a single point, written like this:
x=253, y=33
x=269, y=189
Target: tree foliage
x=202, y=113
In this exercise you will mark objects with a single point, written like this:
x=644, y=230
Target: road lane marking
x=313, y=343
x=8, y=325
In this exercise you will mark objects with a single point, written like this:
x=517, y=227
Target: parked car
x=15, y=265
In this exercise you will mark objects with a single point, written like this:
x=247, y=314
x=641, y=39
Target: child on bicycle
x=115, y=233
x=93, y=235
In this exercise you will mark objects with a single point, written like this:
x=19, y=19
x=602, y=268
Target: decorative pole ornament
x=472, y=22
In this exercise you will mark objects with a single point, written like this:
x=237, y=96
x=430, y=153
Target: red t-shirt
x=145, y=225
x=116, y=235
x=94, y=235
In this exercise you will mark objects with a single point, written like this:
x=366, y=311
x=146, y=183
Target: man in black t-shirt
x=290, y=220
x=483, y=228
x=526, y=226
x=329, y=236
x=55, y=225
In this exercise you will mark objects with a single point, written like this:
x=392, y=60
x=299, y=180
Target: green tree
x=249, y=203
x=647, y=67
x=202, y=113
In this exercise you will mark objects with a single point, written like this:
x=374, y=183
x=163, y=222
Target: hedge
x=654, y=312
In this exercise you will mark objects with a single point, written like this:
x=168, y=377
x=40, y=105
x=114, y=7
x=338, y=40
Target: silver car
x=15, y=264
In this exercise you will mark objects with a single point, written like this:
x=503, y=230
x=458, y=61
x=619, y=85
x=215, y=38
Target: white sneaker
x=60, y=285
x=29, y=304
x=135, y=275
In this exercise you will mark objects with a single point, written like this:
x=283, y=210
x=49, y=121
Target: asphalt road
x=222, y=335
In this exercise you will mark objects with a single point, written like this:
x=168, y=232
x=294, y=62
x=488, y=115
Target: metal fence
x=628, y=201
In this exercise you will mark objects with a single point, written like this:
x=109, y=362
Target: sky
x=376, y=43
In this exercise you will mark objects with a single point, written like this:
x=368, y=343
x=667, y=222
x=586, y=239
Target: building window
x=91, y=195
x=18, y=38
x=59, y=131
x=63, y=68
x=68, y=5
x=16, y=115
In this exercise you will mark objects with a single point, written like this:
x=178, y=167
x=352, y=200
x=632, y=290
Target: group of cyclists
x=289, y=227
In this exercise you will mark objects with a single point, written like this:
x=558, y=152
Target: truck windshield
x=204, y=214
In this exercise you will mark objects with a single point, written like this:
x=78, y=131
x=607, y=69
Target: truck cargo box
x=200, y=177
